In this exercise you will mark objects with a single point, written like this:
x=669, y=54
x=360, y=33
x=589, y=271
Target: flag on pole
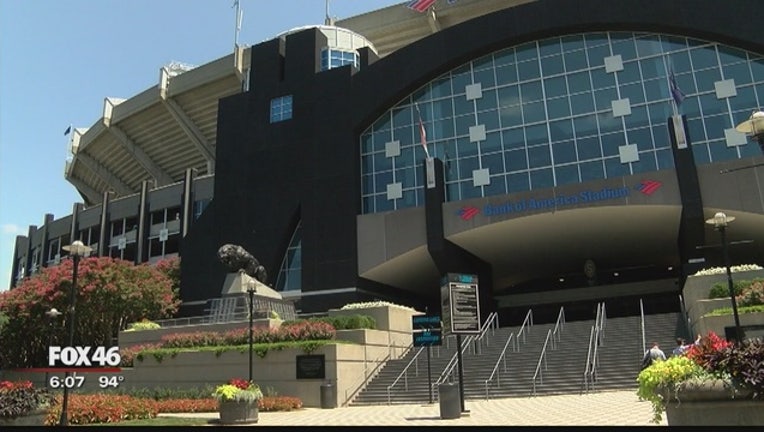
x=69, y=129
x=676, y=92
x=422, y=132
x=420, y=5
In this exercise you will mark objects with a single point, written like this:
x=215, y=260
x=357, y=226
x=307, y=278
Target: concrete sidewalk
x=607, y=408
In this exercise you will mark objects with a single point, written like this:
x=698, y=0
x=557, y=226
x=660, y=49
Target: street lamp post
x=251, y=292
x=720, y=221
x=52, y=314
x=77, y=250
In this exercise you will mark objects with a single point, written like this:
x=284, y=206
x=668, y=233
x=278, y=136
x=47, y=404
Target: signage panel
x=460, y=304
x=426, y=330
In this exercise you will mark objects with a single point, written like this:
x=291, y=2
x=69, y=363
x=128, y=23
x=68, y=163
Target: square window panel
x=497, y=186
x=394, y=191
x=513, y=138
x=588, y=148
x=519, y=182
x=516, y=160
x=485, y=77
x=614, y=168
x=621, y=107
x=481, y=177
x=468, y=190
x=567, y=174
x=541, y=179
x=392, y=148
x=564, y=152
x=582, y=103
x=477, y=133
x=613, y=63
x=721, y=152
x=474, y=91
x=725, y=89
x=734, y=138
x=628, y=153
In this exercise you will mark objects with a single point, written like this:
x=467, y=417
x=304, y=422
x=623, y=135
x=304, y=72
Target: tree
x=110, y=294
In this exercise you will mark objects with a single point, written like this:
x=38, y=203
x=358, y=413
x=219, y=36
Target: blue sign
x=428, y=338
x=425, y=322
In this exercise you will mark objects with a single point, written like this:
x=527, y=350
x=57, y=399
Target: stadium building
x=565, y=152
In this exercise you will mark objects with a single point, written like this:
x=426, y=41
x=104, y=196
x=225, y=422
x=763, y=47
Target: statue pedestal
x=238, y=283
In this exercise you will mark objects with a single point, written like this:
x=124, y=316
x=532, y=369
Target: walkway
x=607, y=408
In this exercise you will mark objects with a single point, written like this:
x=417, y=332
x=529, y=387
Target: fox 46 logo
x=83, y=356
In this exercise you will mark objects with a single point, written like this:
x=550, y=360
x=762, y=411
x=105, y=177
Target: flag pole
x=237, y=23
x=422, y=132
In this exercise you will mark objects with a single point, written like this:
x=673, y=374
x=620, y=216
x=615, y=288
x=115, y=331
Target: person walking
x=653, y=354
x=682, y=346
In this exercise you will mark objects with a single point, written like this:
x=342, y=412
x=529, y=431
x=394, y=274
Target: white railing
x=528, y=321
x=448, y=371
x=367, y=375
x=404, y=373
x=596, y=338
x=642, y=321
x=553, y=336
x=503, y=357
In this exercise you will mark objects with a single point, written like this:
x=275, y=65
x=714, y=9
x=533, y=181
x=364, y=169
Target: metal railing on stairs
x=515, y=348
x=596, y=338
x=353, y=390
x=528, y=321
x=404, y=373
x=554, y=337
x=471, y=340
x=502, y=356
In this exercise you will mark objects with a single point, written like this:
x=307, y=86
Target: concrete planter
x=238, y=412
x=713, y=403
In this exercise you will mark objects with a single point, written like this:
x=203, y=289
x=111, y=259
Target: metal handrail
x=492, y=324
x=452, y=362
x=598, y=337
x=366, y=377
x=448, y=370
x=553, y=336
x=642, y=316
x=542, y=357
x=502, y=356
x=585, y=383
x=404, y=373
x=528, y=320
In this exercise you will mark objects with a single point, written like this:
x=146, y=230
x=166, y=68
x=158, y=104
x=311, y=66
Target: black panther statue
x=236, y=258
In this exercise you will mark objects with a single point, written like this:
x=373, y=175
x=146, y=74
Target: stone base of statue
x=238, y=283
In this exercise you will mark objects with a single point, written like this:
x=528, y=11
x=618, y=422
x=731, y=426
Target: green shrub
x=143, y=325
x=721, y=289
x=348, y=322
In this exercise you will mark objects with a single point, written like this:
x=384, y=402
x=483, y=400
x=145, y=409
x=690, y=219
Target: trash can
x=328, y=395
x=450, y=403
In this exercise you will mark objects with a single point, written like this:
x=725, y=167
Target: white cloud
x=12, y=229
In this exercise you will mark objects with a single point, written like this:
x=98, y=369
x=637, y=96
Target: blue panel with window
x=281, y=108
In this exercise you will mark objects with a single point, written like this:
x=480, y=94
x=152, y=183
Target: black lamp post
x=77, y=250
x=720, y=221
x=52, y=314
x=251, y=292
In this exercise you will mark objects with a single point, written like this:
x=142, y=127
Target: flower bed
x=712, y=364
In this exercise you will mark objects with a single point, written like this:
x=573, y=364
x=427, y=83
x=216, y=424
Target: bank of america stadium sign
x=646, y=187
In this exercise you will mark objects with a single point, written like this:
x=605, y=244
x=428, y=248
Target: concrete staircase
x=561, y=372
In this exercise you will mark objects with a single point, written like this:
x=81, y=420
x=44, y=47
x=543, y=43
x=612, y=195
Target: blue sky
x=60, y=59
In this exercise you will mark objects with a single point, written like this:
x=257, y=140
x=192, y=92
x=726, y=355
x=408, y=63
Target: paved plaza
x=606, y=408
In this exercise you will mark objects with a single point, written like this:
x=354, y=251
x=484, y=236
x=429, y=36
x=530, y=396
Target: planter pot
x=32, y=418
x=713, y=403
x=238, y=412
